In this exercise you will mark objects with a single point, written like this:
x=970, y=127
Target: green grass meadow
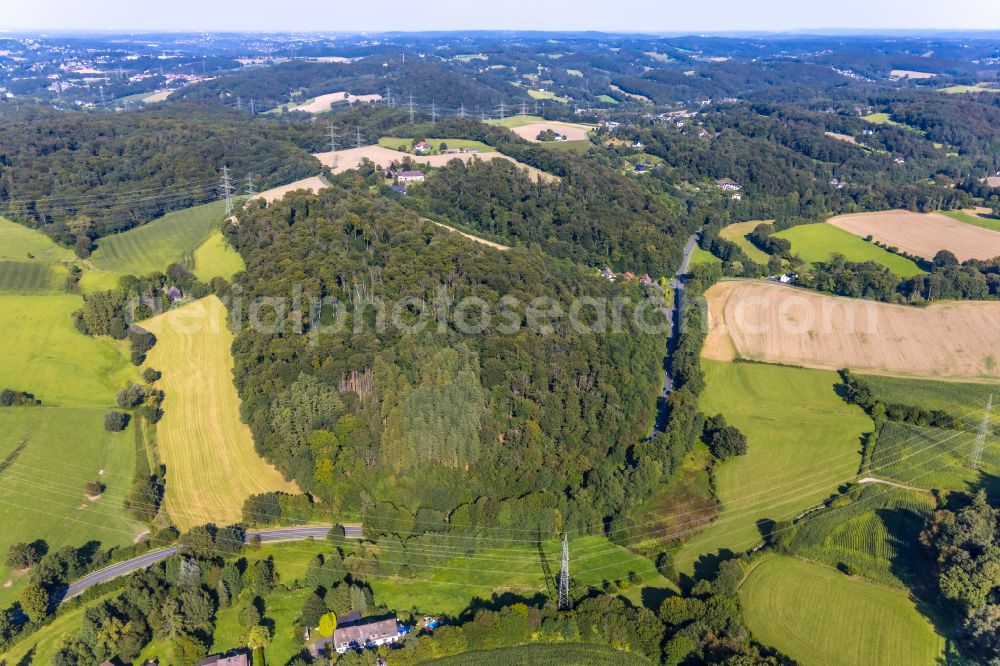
x=448, y=587
x=737, y=233
x=511, y=122
x=546, y=94
x=30, y=262
x=394, y=142
x=875, y=532
x=30, y=277
x=60, y=445
x=152, y=247
x=820, y=617
x=984, y=221
x=962, y=399
x=935, y=458
x=700, y=256
x=814, y=243
x=41, y=646
x=955, y=90
x=804, y=441
x=17, y=242
x=217, y=258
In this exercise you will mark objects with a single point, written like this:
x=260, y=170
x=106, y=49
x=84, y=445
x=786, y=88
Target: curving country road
x=276, y=535
x=675, y=328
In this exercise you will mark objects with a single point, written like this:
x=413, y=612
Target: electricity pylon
x=227, y=190
x=984, y=427
x=564, y=575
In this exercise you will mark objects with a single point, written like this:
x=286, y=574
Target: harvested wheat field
x=910, y=74
x=313, y=184
x=323, y=102
x=841, y=137
x=764, y=321
x=158, y=96
x=211, y=463
x=572, y=131
x=342, y=160
x=922, y=234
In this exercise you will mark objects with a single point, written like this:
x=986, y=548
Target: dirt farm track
x=764, y=321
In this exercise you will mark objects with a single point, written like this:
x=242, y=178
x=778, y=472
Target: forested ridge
x=71, y=173
x=496, y=414
x=594, y=216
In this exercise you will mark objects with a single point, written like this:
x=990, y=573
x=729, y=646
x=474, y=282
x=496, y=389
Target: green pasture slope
x=41, y=646
x=934, y=458
x=511, y=122
x=19, y=243
x=804, y=441
x=152, y=247
x=820, y=617
x=448, y=587
x=737, y=233
x=875, y=531
x=29, y=277
x=48, y=453
x=555, y=654
x=700, y=256
x=394, y=142
x=814, y=243
x=30, y=262
x=217, y=258
x=969, y=217
x=962, y=399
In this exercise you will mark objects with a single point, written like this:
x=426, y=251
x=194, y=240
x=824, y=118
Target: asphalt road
x=675, y=327
x=276, y=535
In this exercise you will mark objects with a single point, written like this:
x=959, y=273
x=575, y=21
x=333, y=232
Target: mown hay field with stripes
x=211, y=463
x=29, y=277
x=152, y=247
x=872, y=529
x=49, y=452
x=820, y=617
x=803, y=442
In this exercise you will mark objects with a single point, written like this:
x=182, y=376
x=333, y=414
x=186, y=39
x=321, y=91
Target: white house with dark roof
x=406, y=177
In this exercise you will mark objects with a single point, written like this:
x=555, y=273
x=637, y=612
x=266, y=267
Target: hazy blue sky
x=374, y=15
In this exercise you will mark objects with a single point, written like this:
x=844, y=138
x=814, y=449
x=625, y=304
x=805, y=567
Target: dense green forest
x=594, y=216
x=76, y=174
x=504, y=414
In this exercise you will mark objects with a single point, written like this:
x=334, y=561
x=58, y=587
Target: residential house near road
x=406, y=177
x=360, y=634
x=421, y=147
